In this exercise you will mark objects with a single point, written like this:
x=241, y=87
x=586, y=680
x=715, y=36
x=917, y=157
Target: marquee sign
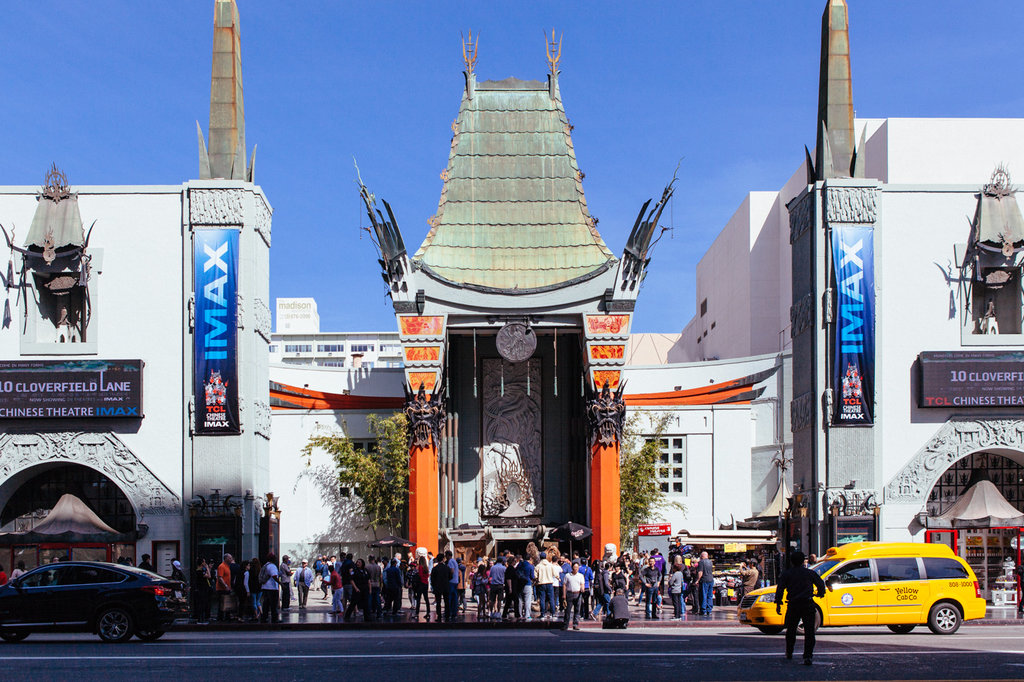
x=215, y=372
x=33, y=389
x=971, y=379
x=853, y=369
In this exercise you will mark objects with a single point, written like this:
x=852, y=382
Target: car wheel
x=114, y=625
x=149, y=635
x=13, y=635
x=944, y=618
x=901, y=629
x=770, y=629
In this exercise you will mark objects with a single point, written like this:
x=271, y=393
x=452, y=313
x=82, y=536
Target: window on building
x=331, y=348
x=362, y=348
x=273, y=348
x=704, y=307
x=358, y=445
x=391, y=349
x=671, y=465
x=298, y=348
x=331, y=363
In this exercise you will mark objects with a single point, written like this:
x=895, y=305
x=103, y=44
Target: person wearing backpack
x=270, y=581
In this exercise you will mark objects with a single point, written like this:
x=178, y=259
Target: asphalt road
x=709, y=653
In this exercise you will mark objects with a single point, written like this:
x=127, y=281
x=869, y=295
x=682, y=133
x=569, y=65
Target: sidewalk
x=316, y=616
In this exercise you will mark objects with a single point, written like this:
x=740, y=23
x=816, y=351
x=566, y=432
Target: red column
x=604, y=497
x=423, y=497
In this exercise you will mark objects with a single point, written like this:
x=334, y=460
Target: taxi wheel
x=944, y=618
x=770, y=629
x=901, y=629
x=13, y=635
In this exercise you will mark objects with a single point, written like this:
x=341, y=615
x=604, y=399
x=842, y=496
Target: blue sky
x=110, y=91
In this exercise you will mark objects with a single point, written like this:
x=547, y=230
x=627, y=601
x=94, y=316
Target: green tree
x=640, y=496
x=379, y=476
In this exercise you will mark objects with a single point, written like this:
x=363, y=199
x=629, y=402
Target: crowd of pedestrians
x=545, y=585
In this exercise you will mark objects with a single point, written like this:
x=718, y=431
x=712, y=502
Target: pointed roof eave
x=71, y=514
x=981, y=505
x=225, y=155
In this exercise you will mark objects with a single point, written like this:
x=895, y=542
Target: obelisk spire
x=835, y=148
x=225, y=157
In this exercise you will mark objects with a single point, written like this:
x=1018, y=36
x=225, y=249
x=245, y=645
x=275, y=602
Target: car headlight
x=767, y=598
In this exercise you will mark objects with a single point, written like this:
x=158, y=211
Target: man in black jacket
x=802, y=584
x=440, y=578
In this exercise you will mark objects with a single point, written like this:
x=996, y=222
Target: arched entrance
x=25, y=512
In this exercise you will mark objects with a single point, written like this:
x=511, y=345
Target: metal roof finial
x=553, y=48
x=469, y=57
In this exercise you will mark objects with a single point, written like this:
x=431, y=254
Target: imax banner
x=216, y=332
x=853, y=368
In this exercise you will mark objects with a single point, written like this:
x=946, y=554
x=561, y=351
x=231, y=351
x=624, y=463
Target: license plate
x=177, y=595
x=743, y=618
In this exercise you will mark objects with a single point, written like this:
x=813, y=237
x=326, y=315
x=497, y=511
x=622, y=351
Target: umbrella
x=391, y=541
x=571, y=532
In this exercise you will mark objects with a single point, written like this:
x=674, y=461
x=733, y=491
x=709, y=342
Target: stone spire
x=834, y=155
x=226, y=155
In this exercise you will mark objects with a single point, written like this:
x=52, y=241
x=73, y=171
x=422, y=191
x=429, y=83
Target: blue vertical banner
x=853, y=363
x=215, y=373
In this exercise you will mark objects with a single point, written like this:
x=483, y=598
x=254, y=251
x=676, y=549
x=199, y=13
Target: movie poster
x=215, y=254
x=853, y=362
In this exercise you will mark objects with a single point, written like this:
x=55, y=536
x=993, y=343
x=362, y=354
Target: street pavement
x=708, y=653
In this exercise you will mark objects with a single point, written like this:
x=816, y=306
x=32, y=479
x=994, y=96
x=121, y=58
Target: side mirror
x=16, y=584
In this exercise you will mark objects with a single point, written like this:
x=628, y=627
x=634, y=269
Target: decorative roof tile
x=512, y=214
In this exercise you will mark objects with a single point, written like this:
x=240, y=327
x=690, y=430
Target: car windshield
x=822, y=567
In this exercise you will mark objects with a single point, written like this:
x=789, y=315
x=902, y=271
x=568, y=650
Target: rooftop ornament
x=469, y=51
x=554, y=51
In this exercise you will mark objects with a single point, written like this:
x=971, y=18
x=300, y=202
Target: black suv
x=111, y=600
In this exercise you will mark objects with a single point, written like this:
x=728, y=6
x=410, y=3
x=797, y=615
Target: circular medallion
x=847, y=599
x=516, y=342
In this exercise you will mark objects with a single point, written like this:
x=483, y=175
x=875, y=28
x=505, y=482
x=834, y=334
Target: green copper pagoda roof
x=512, y=214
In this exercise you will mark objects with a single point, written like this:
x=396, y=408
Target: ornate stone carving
x=801, y=315
x=216, y=207
x=801, y=215
x=801, y=411
x=240, y=311
x=262, y=314
x=263, y=219
x=851, y=204
x=513, y=480
x=103, y=452
x=426, y=414
x=263, y=420
x=956, y=439
x=516, y=342
x=606, y=414
x=851, y=501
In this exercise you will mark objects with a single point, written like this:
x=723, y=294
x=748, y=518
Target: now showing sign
x=56, y=389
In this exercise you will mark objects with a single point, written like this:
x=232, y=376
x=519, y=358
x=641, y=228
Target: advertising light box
x=971, y=379
x=55, y=389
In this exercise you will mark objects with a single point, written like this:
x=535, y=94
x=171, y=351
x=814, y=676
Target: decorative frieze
x=606, y=415
x=851, y=204
x=851, y=501
x=263, y=220
x=801, y=215
x=240, y=311
x=801, y=412
x=216, y=207
x=801, y=315
x=263, y=421
x=956, y=439
x=262, y=314
x=103, y=452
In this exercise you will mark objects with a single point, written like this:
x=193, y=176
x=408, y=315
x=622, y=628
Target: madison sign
x=971, y=379
x=33, y=389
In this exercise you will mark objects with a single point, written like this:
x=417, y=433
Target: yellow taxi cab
x=897, y=584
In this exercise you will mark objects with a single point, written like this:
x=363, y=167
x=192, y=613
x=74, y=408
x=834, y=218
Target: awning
x=721, y=537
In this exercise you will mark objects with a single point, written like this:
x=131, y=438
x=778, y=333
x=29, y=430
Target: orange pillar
x=604, y=497
x=423, y=497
